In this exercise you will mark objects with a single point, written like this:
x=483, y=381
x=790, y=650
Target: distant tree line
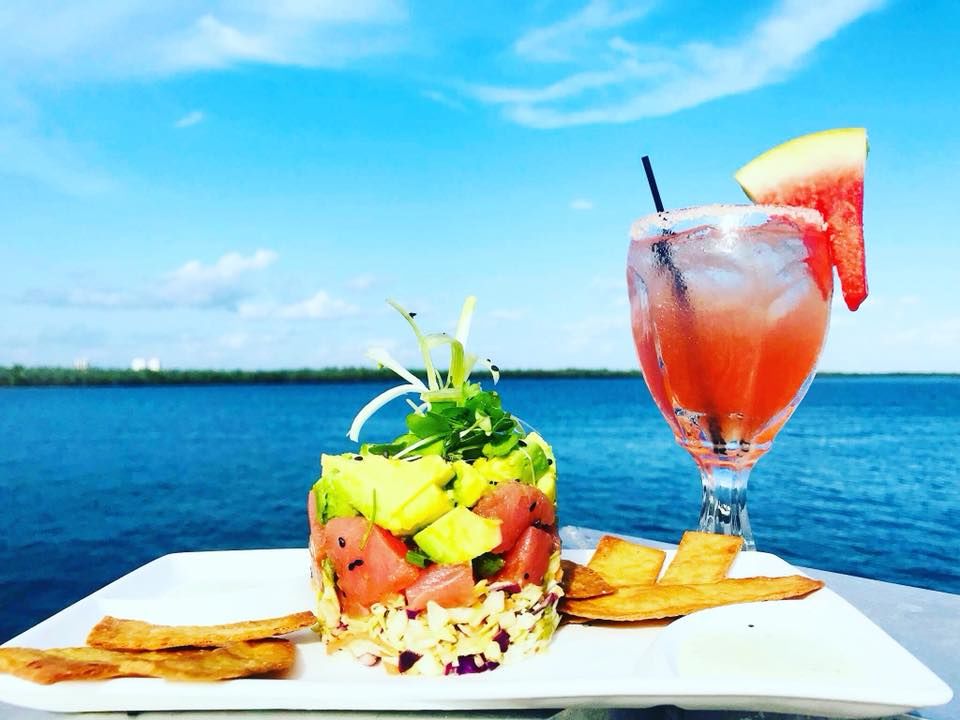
x=18, y=375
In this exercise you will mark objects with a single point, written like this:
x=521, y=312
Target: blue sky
x=241, y=184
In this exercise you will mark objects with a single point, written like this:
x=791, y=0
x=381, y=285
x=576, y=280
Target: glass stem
x=724, y=508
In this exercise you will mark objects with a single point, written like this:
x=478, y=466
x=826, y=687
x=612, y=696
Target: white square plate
x=817, y=655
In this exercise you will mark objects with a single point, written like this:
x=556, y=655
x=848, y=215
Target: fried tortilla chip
x=579, y=581
x=623, y=563
x=649, y=602
x=240, y=659
x=116, y=634
x=701, y=558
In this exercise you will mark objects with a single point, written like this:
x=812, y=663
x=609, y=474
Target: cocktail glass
x=729, y=307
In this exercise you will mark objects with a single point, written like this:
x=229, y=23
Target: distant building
x=81, y=364
x=140, y=364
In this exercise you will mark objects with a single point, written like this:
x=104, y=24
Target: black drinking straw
x=652, y=181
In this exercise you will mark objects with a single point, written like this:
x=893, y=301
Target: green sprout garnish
x=456, y=418
x=417, y=558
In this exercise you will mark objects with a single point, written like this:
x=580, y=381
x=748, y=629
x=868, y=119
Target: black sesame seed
x=354, y=564
x=358, y=457
x=749, y=625
x=533, y=506
x=495, y=368
x=413, y=314
x=526, y=576
x=341, y=542
x=549, y=461
x=522, y=443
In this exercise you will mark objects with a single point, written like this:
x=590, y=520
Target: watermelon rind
x=792, y=161
x=824, y=171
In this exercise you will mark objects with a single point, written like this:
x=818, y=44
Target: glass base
x=724, y=508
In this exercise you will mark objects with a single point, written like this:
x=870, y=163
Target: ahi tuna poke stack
x=437, y=553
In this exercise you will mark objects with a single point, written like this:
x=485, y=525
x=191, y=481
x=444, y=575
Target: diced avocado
x=330, y=501
x=547, y=484
x=514, y=466
x=546, y=467
x=470, y=485
x=401, y=495
x=459, y=536
x=534, y=441
x=422, y=509
x=527, y=462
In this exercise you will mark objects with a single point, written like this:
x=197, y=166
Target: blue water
x=94, y=482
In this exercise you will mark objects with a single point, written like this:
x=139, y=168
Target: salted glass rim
x=666, y=220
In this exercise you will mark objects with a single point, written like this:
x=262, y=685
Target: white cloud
x=194, y=117
x=194, y=284
x=43, y=42
x=319, y=306
x=197, y=285
x=581, y=204
x=131, y=38
x=621, y=81
x=562, y=40
x=81, y=297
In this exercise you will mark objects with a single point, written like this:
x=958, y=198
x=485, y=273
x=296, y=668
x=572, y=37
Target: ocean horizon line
x=51, y=376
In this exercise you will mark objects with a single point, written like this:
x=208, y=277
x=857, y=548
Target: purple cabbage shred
x=502, y=639
x=411, y=614
x=468, y=665
x=407, y=660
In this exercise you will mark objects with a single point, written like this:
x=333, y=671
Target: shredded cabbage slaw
x=504, y=624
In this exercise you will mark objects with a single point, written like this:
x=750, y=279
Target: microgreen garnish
x=455, y=418
x=487, y=565
x=417, y=558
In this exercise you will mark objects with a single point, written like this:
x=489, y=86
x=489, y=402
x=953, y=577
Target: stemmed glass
x=729, y=307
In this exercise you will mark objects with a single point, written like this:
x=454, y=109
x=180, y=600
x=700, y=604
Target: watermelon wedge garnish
x=824, y=171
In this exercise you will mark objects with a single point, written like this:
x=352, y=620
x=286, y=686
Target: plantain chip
x=649, y=602
x=623, y=563
x=701, y=558
x=117, y=634
x=579, y=581
x=240, y=659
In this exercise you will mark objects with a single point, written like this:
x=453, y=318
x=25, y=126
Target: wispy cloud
x=564, y=40
x=117, y=38
x=221, y=284
x=319, y=306
x=618, y=80
x=581, y=204
x=194, y=117
x=443, y=99
x=62, y=43
x=50, y=159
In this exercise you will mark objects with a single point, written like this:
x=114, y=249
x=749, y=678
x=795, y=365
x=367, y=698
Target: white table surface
x=925, y=622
